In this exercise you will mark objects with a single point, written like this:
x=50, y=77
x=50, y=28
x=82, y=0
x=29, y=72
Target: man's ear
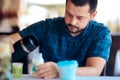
x=93, y=15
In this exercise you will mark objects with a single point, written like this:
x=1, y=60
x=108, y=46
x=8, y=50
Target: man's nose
x=73, y=21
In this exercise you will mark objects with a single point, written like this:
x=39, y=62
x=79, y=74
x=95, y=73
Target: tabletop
x=29, y=77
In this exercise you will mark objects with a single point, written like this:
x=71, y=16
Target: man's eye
x=80, y=18
x=68, y=14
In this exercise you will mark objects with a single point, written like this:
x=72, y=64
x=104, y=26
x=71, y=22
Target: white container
x=36, y=60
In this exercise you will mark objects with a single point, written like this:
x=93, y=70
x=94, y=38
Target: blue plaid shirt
x=57, y=44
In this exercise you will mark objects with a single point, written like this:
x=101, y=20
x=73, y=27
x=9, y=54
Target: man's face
x=77, y=17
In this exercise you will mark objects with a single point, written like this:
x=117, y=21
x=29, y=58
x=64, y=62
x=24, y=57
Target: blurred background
x=35, y=10
x=18, y=14
x=31, y=11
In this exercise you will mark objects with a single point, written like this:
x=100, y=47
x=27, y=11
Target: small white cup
x=17, y=70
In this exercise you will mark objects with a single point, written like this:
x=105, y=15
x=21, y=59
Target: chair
x=109, y=71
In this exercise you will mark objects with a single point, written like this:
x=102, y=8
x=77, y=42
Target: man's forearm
x=88, y=71
x=14, y=38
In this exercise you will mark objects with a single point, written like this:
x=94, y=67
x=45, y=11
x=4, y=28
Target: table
x=28, y=77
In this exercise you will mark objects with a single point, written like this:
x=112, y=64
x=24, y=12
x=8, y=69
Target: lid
x=67, y=63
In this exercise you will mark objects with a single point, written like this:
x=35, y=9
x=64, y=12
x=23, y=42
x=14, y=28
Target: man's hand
x=11, y=46
x=47, y=70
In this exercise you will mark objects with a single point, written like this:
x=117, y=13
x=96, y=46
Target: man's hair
x=92, y=4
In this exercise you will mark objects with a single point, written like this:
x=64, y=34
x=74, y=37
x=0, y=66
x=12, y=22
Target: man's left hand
x=47, y=70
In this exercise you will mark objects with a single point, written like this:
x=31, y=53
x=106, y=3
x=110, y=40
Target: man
x=75, y=37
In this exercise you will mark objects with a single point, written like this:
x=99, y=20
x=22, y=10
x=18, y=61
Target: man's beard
x=77, y=29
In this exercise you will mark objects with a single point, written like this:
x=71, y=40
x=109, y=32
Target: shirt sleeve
x=101, y=44
x=38, y=30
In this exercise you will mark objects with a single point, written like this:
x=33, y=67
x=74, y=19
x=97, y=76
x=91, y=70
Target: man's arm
x=94, y=67
x=14, y=37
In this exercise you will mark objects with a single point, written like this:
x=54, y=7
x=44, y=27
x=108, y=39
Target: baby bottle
x=36, y=60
